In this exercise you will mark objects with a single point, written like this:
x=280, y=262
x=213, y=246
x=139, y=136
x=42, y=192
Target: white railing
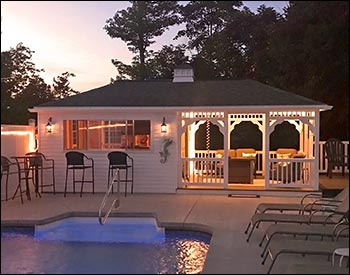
x=323, y=163
x=204, y=154
x=206, y=168
x=115, y=202
x=290, y=172
x=204, y=171
x=209, y=172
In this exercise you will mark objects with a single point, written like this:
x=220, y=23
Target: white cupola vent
x=183, y=73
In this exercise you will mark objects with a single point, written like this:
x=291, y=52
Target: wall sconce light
x=163, y=127
x=49, y=125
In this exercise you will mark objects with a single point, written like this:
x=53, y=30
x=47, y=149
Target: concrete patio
x=223, y=216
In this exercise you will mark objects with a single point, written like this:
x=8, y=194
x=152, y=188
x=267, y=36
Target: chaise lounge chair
x=302, y=247
x=305, y=204
x=341, y=229
x=329, y=216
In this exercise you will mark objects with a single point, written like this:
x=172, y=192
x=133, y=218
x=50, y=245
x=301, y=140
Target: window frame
x=102, y=132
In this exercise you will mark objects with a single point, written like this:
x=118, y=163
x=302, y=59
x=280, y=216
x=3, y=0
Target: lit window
x=112, y=134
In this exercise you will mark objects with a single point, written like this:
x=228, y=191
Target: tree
x=215, y=30
x=19, y=80
x=22, y=87
x=18, y=68
x=164, y=61
x=262, y=51
x=158, y=65
x=313, y=44
x=205, y=18
x=6, y=96
x=34, y=93
x=61, y=86
x=139, y=24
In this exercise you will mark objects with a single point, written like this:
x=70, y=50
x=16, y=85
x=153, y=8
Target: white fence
x=323, y=163
x=17, y=140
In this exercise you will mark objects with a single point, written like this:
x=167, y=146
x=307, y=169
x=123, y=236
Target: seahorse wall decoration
x=164, y=153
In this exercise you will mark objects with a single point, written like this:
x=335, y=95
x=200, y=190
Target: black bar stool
x=76, y=161
x=122, y=161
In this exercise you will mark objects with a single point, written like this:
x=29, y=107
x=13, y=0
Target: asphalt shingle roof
x=199, y=93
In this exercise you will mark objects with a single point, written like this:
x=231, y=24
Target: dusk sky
x=69, y=36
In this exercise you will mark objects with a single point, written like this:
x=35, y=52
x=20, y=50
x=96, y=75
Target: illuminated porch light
x=49, y=125
x=163, y=126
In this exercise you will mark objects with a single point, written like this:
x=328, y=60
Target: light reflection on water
x=182, y=253
x=191, y=256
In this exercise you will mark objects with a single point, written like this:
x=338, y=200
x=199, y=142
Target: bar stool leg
x=126, y=182
x=82, y=183
x=65, y=184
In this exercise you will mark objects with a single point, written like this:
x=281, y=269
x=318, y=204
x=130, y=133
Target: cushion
x=219, y=153
x=240, y=151
x=299, y=155
x=286, y=151
x=284, y=156
x=231, y=153
x=248, y=155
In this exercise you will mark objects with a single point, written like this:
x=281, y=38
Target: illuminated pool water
x=116, y=230
x=181, y=252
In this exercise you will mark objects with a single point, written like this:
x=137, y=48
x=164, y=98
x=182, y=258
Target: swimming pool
x=181, y=252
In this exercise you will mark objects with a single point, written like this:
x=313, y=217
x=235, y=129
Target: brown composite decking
x=327, y=186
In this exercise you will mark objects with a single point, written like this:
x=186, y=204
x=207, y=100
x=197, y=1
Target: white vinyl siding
x=150, y=175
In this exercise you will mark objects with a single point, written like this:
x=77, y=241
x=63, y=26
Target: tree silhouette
x=22, y=87
x=61, y=86
x=139, y=24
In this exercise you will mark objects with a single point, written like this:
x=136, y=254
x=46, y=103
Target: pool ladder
x=116, y=202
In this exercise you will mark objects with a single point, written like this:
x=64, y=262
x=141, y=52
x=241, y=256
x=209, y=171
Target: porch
x=263, y=166
x=202, y=182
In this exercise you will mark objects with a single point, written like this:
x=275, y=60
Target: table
x=342, y=252
x=241, y=170
x=24, y=168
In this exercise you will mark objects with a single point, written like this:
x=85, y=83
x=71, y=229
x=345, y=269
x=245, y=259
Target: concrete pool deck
x=223, y=216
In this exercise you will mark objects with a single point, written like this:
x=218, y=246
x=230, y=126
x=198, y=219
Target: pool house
x=183, y=134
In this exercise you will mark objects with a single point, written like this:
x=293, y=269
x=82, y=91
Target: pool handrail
x=115, y=203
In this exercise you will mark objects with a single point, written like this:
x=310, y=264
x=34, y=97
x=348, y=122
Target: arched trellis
x=191, y=121
x=298, y=123
x=195, y=123
x=257, y=119
x=304, y=123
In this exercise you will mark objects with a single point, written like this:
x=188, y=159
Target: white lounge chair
x=311, y=201
x=333, y=232
x=329, y=216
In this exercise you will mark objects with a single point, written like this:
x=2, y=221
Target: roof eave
x=180, y=108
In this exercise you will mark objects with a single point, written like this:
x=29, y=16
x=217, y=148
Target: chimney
x=183, y=73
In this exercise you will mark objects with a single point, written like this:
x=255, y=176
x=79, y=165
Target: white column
x=226, y=147
x=316, y=133
x=266, y=148
x=264, y=137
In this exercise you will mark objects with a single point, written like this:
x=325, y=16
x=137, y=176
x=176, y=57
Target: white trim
x=241, y=109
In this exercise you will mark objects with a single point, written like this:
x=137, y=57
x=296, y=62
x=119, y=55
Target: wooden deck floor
x=329, y=187
x=336, y=182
